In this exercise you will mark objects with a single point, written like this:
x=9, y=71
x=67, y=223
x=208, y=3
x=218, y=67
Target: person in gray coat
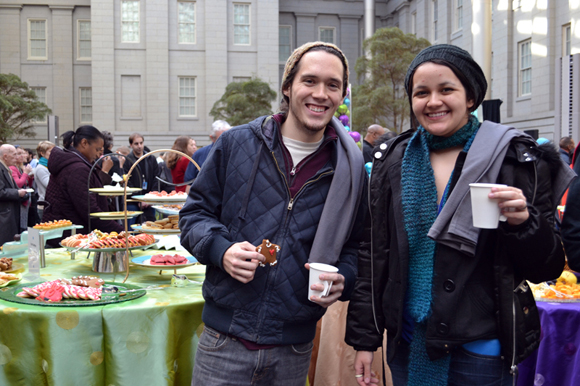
x=10, y=196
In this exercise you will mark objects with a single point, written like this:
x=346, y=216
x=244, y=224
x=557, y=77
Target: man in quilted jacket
x=295, y=179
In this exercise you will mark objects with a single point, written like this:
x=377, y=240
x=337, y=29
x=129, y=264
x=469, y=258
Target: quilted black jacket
x=241, y=194
x=473, y=297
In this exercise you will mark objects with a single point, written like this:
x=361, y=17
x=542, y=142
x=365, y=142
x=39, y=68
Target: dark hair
x=108, y=137
x=180, y=144
x=74, y=138
x=284, y=104
x=134, y=136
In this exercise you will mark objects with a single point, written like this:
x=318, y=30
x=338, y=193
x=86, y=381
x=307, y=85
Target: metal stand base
x=109, y=262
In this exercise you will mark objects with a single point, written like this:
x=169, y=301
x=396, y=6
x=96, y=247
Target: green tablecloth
x=148, y=341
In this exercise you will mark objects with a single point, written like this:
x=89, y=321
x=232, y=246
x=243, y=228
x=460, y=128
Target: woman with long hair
x=67, y=189
x=454, y=297
x=177, y=163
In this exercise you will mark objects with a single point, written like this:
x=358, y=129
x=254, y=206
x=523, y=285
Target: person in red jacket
x=177, y=163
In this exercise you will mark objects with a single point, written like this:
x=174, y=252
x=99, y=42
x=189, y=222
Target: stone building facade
x=158, y=66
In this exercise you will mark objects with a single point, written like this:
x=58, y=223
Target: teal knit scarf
x=43, y=161
x=419, y=201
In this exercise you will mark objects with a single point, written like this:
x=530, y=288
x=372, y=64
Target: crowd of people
x=452, y=296
x=32, y=189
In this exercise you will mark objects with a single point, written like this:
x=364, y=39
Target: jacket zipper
x=372, y=255
x=293, y=199
x=514, y=368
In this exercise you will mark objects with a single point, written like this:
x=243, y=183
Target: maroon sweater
x=298, y=175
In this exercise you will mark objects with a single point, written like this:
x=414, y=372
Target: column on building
x=267, y=38
x=349, y=38
x=157, y=66
x=10, y=39
x=62, y=69
x=103, y=63
x=216, y=53
x=305, y=27
x=482, y=37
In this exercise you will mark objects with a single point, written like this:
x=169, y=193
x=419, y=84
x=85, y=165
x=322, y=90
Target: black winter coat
x=67, y=193
x=571, y=223
x=473, y=297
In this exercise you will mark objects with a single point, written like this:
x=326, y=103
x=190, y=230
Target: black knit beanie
x=459, y=59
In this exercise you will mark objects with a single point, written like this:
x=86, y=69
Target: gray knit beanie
x=459, y=60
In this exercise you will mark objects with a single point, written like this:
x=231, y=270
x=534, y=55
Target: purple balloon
x=344, y=120
x=355, y=135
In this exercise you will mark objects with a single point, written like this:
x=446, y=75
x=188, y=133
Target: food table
x=557, y=360
x=150, y=340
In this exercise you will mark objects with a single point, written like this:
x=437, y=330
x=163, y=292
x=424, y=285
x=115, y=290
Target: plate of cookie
x=116, y=215
x=166, y=226
x=168, y=209
x=8, y=266
x=8, y=278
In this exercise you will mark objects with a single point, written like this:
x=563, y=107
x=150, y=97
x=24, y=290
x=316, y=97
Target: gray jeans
x=222, y=360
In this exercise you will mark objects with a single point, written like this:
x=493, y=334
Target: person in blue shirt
x=218, y=128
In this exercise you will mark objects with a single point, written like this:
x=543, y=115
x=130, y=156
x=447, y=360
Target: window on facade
x=414, y=23
x=129, y=21
x=187, y=97
x=284, y=42
x=84, y=36
x=566, y=40
x=241, y=24
x=458, y=14
x=186, y=21
x=37, y=40
x=435, y=20
x=326, y=34
x=41, y=94
x=525, y=61
x=86, y=95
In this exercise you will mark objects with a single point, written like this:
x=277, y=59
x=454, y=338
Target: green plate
x=18, y=278
x=9, y=294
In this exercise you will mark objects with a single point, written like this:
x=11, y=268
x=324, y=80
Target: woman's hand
x=512, y=203
x=107, y=164
x=362, y=368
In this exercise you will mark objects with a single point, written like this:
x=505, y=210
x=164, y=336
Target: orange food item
x=53, y=224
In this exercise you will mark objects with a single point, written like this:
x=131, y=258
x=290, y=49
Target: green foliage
x=244, y=101
x=19, y=107
x=381, y=98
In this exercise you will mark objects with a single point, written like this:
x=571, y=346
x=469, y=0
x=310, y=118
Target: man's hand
x=21, y=192
x=335, y=291
x=362, y=368
x=241, y=261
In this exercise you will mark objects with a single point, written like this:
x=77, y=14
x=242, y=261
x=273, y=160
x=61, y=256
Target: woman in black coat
x=453, y=297
x=67, y=191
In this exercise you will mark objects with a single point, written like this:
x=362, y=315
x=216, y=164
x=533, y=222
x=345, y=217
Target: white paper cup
x=485, y=211
x=317, y=269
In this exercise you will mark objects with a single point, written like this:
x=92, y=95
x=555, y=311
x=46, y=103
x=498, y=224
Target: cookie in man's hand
x=269, y=251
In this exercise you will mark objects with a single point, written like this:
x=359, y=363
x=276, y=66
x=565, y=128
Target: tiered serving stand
x=126, y=256
x=157, y=203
